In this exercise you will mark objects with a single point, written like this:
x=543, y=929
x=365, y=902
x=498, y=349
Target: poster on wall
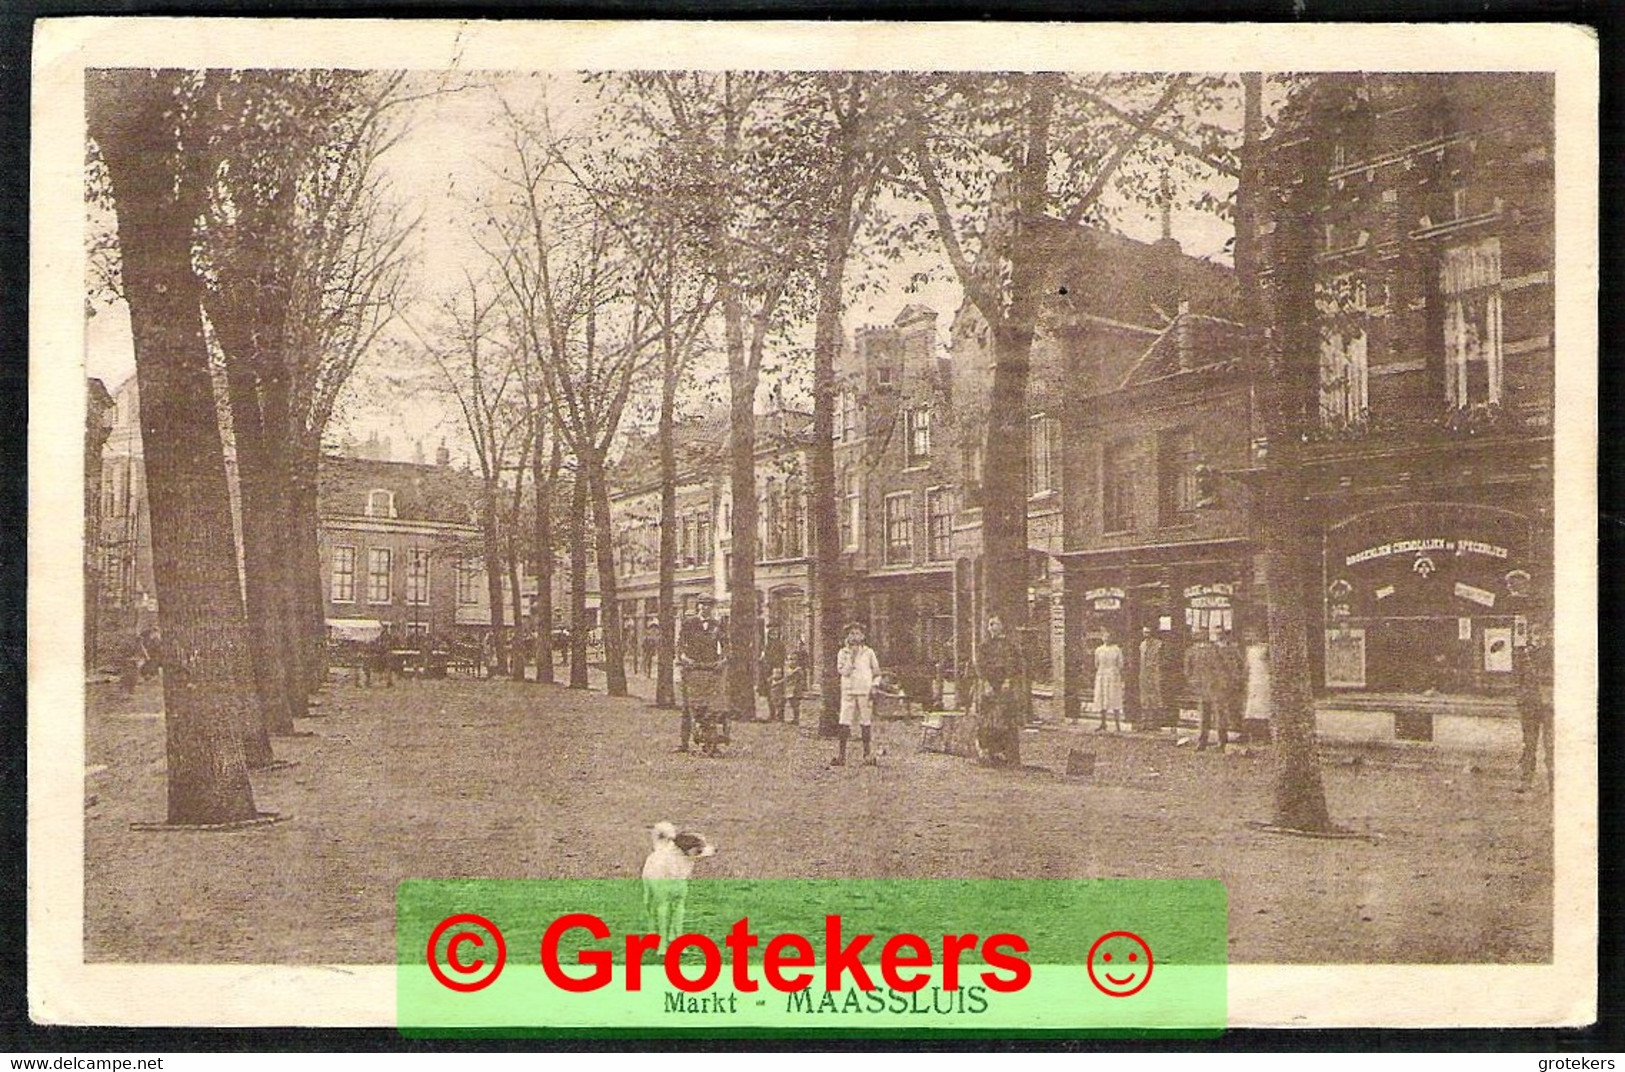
x=1498, y=649
x=1345, y=658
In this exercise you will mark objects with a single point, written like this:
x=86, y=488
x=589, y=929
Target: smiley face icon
x=1119, y=964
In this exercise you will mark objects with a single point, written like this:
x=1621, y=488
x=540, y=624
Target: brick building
x=1156, y=538
x=896, y=482
x=704, y=525
x=1429, y=428
x=397, y=541
x=1134, y=387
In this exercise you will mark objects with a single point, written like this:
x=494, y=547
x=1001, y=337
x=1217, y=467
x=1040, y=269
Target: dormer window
x=380, y=503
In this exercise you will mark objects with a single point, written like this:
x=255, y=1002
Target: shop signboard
x=1208, y=606
x=1105, y=598
x=1422, y=560
x=1345, y=658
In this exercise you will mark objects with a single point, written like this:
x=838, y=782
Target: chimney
x=1182, y=335
x=1167, y=291
x=442, y=456
x=1167, y=209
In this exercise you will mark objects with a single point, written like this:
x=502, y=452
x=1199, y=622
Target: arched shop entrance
x=1427, y=600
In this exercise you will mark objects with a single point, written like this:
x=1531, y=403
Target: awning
x=356, y=630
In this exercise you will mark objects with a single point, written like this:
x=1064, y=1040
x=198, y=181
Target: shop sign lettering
x=1197, y=590
x=1418, y=546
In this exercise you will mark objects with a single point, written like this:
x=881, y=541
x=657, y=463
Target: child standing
x=859, y=668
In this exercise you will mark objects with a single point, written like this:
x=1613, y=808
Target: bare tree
x=744, y=177
x=850, y=115
x=481, y=369
x=629, y=186
x=568, y=282
x=302, y=252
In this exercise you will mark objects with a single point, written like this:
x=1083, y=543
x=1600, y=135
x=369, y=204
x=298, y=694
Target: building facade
x=1132, y=381
x=704, y=542
x=128, y=602
x=396, y=541
x=1428, y=460
x=1157, y=537
x=896, y=481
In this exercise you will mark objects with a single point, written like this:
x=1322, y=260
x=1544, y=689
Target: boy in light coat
x=859, y=668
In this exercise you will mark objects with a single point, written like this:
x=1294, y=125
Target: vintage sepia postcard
x=994, y=528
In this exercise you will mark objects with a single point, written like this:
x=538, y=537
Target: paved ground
x=506, y=780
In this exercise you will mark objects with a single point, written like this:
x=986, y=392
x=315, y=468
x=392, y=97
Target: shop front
x=911, y=627
x=1425, y=605
x=1180, y=593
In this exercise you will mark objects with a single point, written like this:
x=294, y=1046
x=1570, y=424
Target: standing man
x=651, y=646
x=1151, y=702
x=1232, y=684
x=998, y=671
x=379, y=658
x=771, y=671
x=699, y=647
x=1204, y=673
x=859, y=668
x=1535, y=706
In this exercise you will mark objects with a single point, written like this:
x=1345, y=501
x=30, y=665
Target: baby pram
x=706, y=703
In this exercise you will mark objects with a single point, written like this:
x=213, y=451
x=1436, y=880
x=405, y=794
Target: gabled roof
x=421, y=492
x=1109, y=275
x=701, y=445
x=1210, y=342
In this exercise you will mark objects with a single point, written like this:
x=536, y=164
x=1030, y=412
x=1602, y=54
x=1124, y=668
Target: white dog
x=665, y=877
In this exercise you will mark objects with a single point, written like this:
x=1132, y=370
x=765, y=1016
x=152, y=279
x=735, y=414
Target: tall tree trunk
x=1004, y=484
x=609, y=606
x=1282, y=376
x=742, y=627
x=305, y=567
x=494, y=571
x=578, y=580
x=263, y=538
x=666, y=652
x=542, y=483
x=825, y=513
x=292, y=585
x=132, y=115
x=286, y=584
x=516, y=650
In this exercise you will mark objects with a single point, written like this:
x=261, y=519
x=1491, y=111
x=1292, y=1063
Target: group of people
x=702, y=652
x=1229, y=685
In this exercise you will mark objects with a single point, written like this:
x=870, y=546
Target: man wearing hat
x=699, y=647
